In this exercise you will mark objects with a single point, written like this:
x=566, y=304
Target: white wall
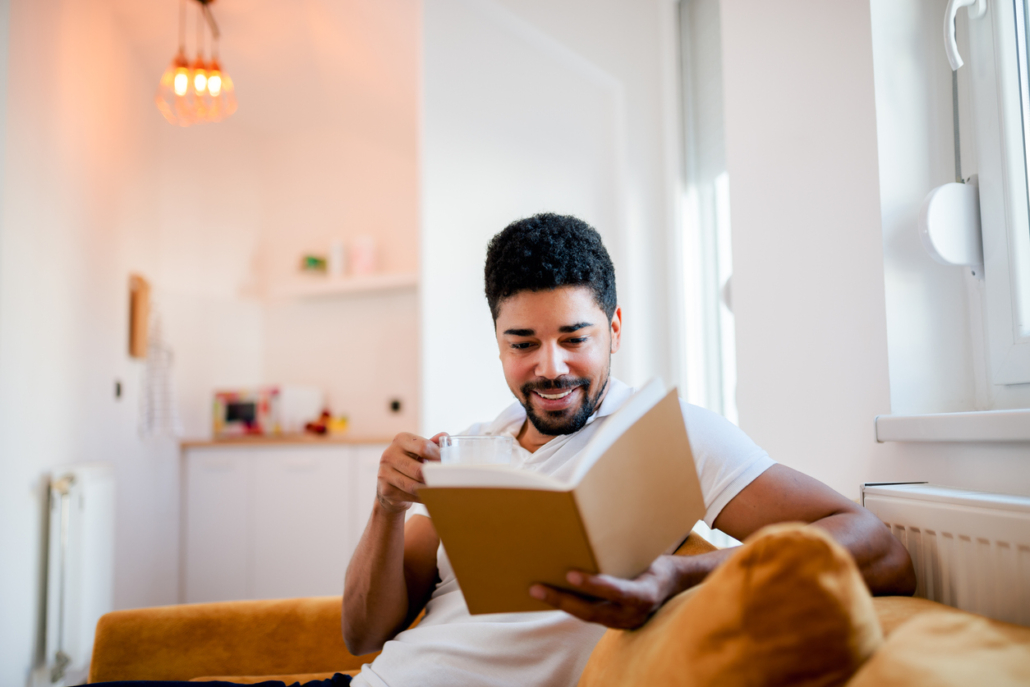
x=98, y=186
x=77, y=218
x=340, y=182
x=808, y=249
x=530, y=107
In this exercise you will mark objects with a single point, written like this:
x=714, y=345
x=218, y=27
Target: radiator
x=971, y=550
x=80, y=567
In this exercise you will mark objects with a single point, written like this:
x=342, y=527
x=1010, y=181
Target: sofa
x=789, y=608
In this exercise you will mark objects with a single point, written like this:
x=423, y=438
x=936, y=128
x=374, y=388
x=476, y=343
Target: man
x=550, y=285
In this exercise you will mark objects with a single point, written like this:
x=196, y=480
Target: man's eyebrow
x=569, y=328
x=519, y=332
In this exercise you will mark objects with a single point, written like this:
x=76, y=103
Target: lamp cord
x=182, y=26
x=215, y=33
x=200, y=35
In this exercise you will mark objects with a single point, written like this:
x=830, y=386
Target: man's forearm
x=375, y=597
x=884, y=563
x=882, y=560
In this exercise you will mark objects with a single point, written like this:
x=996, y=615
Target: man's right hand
x=400, y=470
x=393, y=570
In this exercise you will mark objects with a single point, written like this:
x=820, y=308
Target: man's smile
x=552, y=397
x=557, y=400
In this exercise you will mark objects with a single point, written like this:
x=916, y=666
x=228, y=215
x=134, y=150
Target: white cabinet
x=265, y=522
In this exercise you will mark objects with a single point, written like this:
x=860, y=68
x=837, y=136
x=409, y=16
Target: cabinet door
x=216, y=537
x=302, y=530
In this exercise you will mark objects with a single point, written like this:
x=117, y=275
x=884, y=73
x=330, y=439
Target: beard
x=557, y=422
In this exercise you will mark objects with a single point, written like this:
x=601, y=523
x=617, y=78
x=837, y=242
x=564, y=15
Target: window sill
x=978, y=426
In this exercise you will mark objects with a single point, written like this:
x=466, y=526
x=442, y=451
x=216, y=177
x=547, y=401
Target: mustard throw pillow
x=788, y=608
x=945, y=650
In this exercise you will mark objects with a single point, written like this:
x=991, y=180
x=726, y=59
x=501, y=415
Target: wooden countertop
x=285, y=440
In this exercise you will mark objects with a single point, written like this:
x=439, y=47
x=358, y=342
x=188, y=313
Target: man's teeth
x=555, y=397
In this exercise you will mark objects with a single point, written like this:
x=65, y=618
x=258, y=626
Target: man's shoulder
x=711, y=432
x=478, y=429
x=509, y=416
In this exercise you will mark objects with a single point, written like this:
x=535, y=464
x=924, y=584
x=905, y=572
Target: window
x=1000, y=94
x=709, y=376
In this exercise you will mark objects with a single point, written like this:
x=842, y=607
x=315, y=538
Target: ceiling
x=297, y=64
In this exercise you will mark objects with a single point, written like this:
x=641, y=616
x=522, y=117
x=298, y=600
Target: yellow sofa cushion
x=949, y=649
x=274, y=637
x=788, y=608
x=289, y=680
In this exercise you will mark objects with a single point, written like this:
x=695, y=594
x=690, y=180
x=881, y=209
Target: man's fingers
x=399, y=481
x=601, y=586
x=400, y=469
x=406, y=465
x=589, y=611
x=417, y=447
x=437, y=437
x=430, y=449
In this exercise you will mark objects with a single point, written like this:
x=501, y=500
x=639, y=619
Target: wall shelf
x=317, y=286
x=978, y=426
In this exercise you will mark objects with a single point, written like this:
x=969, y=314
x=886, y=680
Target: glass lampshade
x=174, y=91
x=220, y=97
x=198, y=89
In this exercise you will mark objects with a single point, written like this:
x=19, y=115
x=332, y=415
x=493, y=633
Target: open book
x=634, y=496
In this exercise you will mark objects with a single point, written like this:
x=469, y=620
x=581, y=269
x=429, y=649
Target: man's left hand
x=610, y=601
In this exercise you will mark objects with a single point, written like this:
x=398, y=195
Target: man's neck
x=531, y=439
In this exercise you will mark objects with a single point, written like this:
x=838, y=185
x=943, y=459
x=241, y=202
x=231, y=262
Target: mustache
x=556, y=384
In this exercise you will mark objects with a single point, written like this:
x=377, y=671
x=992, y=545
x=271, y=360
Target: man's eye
x=577, y=340
x=521, y=345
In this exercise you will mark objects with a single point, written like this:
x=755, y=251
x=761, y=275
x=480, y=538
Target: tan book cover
x=634, y=497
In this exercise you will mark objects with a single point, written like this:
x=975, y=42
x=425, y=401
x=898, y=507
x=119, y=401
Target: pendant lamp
x=199, y=91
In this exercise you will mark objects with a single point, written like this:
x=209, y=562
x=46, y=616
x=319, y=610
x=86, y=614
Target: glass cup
x=475, y=450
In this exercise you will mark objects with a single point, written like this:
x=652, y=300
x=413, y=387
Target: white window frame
x=999, y=102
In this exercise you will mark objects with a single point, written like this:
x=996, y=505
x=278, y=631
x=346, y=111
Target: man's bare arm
x=785, y=495
x=393, y=569
x=778, y=495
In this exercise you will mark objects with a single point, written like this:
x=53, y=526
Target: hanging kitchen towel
x=159, y=415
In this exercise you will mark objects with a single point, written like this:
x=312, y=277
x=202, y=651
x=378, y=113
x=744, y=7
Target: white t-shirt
x=452, y=647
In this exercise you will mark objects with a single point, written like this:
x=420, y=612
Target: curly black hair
x=544, y=252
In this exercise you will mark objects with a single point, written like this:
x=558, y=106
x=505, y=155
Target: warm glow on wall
x=199, y=91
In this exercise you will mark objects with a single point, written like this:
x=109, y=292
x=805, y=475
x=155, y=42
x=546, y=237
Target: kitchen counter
x=286, y=440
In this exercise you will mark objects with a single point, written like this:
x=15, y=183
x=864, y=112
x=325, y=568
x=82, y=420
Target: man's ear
x=616, y=330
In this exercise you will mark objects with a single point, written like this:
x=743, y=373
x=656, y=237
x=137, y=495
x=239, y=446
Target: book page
x=617, y=423
x=503, y=476
x=643, y=495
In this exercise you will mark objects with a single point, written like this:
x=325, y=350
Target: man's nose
x=551, y=363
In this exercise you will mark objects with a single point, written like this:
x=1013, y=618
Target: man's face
x=556, y=351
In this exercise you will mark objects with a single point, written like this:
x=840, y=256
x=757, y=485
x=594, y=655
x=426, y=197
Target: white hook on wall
x=977, y=9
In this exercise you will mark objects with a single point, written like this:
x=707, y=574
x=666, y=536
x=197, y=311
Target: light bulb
x=173, y=96
x=221, y=100
x=199, y=71
x=182, y=81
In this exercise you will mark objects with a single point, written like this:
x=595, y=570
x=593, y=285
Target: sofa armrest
x=694, y=545
x=227, y=638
